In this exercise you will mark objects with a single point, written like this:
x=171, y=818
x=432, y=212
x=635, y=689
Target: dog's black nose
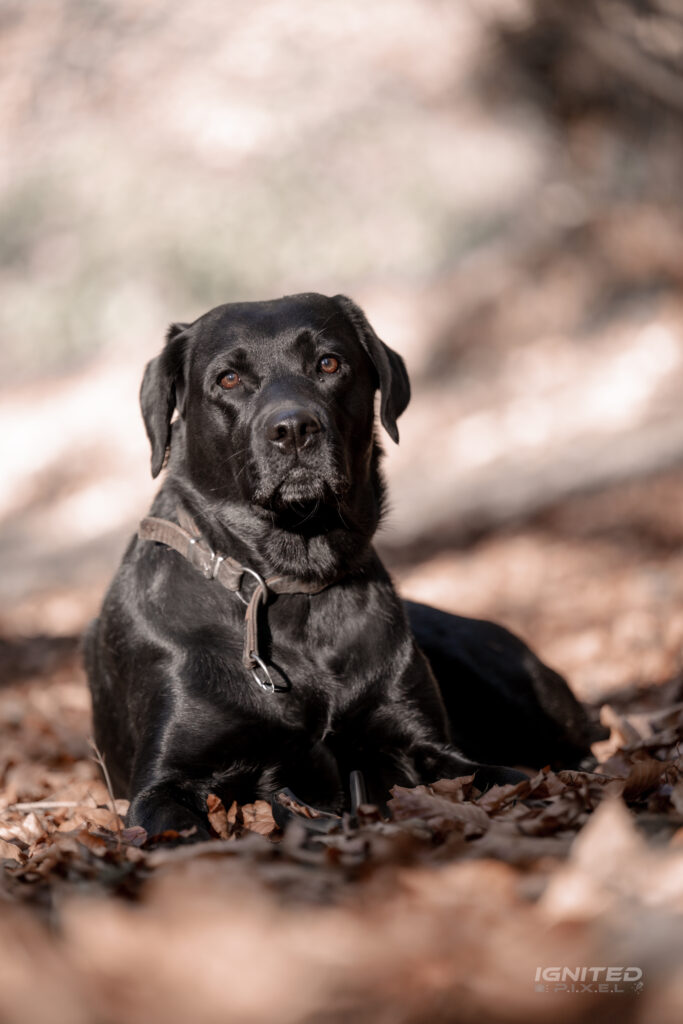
x=292, y=429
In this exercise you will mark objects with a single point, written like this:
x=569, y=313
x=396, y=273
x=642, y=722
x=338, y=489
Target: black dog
x=271, y=499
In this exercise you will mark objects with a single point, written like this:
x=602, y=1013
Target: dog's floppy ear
x=162, y=389
x=393, y=377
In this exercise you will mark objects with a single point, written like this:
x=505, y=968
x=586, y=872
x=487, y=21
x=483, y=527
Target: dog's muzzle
x=296, y=457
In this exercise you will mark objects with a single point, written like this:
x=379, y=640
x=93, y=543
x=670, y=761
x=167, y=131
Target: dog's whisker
x=339, y=513
x=310, y=514
x=224, y=462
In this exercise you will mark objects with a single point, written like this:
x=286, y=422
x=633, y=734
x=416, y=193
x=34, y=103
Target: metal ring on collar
x=260, y=582
x=268, y=685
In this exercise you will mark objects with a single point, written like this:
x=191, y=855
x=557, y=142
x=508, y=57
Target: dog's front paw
x=157, y=816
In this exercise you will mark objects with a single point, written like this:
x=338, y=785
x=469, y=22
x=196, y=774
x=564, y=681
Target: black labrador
x=252, y=639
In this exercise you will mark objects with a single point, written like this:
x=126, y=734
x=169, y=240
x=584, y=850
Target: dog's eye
x=328, y=364
x=229, y=380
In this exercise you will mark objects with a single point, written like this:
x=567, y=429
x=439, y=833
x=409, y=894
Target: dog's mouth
x=300, y=486
x=304, y=496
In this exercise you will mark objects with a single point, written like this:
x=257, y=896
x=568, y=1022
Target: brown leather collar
x=187, y=540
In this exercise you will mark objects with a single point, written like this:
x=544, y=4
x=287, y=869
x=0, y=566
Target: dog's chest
x=334, y=648
x=328, y=655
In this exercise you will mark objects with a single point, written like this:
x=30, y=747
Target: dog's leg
x=435, y=761
x=310, y=772
x=411, y=761
x=166, y=805
x=406, y=741
x=502, y=702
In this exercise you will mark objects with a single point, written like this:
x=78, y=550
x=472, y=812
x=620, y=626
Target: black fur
x=282, y=473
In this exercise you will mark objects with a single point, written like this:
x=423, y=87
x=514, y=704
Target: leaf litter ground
x=444, y=911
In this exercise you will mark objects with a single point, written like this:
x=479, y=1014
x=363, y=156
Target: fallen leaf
x=135, y=835
x=436, y=811
x=643, y=776
x=676, y=797
x=496, y=796
x=258, y=817
x=100, y=817
x=457, y=789
x=10, y=851
x=218, y=818
x=623, y=731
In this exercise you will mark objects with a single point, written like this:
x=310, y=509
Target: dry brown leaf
x=29, y=828
x=556, y=815
x=34, y=827
x=624, y=731
x=457, y=789
x=134, y=835
x=496, y=796
x=258, y=817
x=571, y=777
x=45, y=865
x=84, y=792
x=95, y=843
x=233, y=814
x=644, y=776
x=10, y=851
x=435, y=811
x=617, y=765
x=676, y=796
x=218, y=818
x=550, y=783
x=504, y=841
x=100, y=817
x=303, y=810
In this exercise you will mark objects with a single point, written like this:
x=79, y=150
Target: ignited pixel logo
x=597, y=980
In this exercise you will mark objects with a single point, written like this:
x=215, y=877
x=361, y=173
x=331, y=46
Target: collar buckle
x=203, y=558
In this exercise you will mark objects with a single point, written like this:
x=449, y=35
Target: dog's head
x=275, y=399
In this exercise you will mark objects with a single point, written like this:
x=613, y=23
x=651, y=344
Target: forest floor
x=445, y=912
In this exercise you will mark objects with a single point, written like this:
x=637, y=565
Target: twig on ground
x=99, y=759
x=41, y=805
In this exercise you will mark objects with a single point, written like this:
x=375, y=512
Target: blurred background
x=497, y=182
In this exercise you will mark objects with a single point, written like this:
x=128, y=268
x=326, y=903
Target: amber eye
x=328, y=364
x=229, y=380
